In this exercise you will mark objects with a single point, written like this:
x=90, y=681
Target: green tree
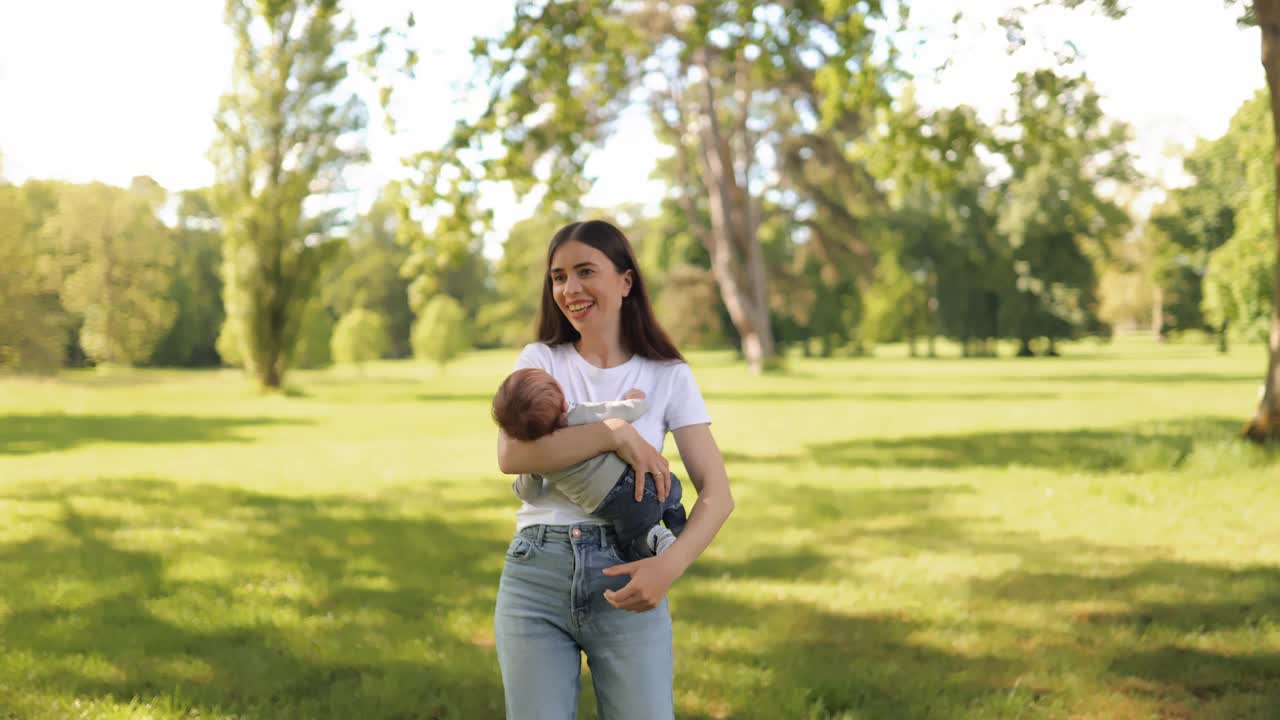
x=685, y=287
x=367, y=273
x=813, y=295
x=674, y=250
x=32, y=330
x=1127, y=295
x=440, y=334
x=1238, y=278
x=896, y=305
x=196, y=287
x=729, y=82
x=41, y=199
x=518, y=278
x=284, y=134
x=468, y=279
x=1264, y=426
x=117, y=265
x=1193, y=222
x=940, y=227
x=1056, y=221
x=360, y=336
x=315, y=338
x=230, y=345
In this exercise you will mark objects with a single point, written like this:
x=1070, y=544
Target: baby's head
x=529, y=404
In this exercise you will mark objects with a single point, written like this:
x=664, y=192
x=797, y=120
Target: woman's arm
x=702, y=459
x=571, y=445
x=652, y=577
x=560, y=449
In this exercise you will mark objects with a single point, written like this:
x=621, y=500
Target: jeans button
x=576, y=532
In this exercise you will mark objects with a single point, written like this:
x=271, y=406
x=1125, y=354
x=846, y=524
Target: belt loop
x=542, y=534
x=604, y=543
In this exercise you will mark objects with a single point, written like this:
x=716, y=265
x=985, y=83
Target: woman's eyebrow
x=587, y=263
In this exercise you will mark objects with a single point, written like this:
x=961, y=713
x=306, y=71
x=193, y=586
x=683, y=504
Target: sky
x=93, y=90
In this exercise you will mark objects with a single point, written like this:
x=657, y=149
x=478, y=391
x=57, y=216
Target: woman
x=564, y=589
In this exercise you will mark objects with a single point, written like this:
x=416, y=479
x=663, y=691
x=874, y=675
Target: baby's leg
x=527, y=487
x=631, y=520
x=659, y=539
x=673, y=513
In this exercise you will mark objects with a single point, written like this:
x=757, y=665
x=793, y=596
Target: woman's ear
x=626, y=284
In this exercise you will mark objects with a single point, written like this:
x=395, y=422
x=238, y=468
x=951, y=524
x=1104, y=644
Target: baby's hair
x=528, y=404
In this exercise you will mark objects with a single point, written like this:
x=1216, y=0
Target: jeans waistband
x=572, y=534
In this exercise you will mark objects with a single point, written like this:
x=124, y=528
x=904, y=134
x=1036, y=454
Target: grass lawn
x=1081, y=537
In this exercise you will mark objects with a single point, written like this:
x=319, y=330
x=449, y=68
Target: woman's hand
x=650, y=580
x=642, y=457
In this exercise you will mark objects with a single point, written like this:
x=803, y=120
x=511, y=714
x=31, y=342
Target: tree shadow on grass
x=938, y=397
x=1073, y=622
x=1203, y=677
x=808, y=662
x=252, y=604
x=28, y=434
x=1183, y=378
x=1170, y=650
x=132, y=377
x=802, y=658
x=1075, y=376
x=1134, y=448
x=456, y=397
x=258, y=605
x=343, y=379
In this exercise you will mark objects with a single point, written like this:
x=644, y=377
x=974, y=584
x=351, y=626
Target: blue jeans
x=551, y=608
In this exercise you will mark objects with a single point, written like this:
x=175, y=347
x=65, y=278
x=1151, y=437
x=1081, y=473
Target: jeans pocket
x=520, y=549
x=613, y=554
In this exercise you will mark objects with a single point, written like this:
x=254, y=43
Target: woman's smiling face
x=587, y=287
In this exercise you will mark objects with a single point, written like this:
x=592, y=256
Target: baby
x=530, y=404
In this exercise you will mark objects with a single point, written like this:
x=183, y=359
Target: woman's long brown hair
x=641, y=333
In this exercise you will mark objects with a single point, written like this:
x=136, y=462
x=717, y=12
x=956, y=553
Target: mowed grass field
x=1081, y=537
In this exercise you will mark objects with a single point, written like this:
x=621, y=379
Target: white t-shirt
x=673, y=396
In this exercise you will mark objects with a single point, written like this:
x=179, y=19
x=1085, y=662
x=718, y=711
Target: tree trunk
x=273, y=377
x=1157, y=315
x=737, y=259
x=1265, y=425
x=1024, y=348
x=108, y=301
x=932, y=304
x=751, y=321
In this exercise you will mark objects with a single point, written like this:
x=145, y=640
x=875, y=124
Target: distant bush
x=314, y=338
x=360, y=336
x=685, y=287
x=229, y=343
x=440, y=334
